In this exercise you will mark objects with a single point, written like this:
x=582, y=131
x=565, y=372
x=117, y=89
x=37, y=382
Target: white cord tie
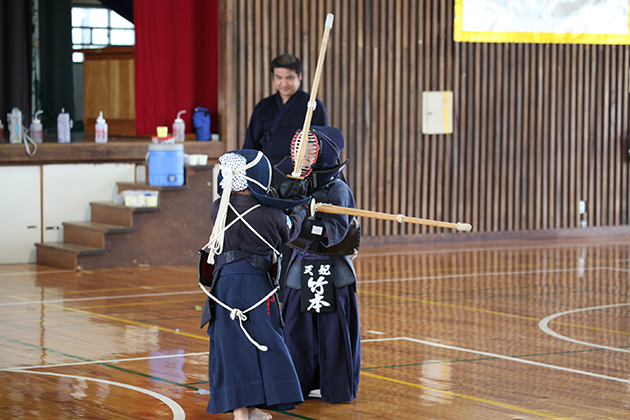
x=240, y=315
x=311, y=105
x=399, y=218
x=237, y=313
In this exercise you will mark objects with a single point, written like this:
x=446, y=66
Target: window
x=94, y=27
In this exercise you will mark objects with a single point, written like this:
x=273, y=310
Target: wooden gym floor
x=514, y=330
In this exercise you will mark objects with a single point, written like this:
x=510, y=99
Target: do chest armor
x=350, y=243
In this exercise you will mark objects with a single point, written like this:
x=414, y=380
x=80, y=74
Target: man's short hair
x=287, y=61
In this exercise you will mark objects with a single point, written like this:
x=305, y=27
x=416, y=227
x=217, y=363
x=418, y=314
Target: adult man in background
x=277, y=117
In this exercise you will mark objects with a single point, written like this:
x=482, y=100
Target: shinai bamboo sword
x=331, y=209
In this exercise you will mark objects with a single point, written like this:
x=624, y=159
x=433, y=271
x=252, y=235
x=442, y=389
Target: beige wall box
x=437, y=112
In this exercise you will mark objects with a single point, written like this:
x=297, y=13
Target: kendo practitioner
x=320, y=306
x=276, y=118
x=244, y=323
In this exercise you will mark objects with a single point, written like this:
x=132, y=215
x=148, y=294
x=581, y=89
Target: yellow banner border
x=460, y=35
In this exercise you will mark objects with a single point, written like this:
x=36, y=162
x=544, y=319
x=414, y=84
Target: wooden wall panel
x=109, y=86
x=537, y=127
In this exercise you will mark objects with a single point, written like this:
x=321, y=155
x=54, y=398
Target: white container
x=36, y=130
x=191, y=160
x=15, y=126
x=179, y=127
x=100, y=129
x=63, y=127
x=202, y=160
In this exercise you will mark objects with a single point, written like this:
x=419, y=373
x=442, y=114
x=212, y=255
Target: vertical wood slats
x=537, y=127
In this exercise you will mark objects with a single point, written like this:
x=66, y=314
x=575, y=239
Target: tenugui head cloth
x=241, y=169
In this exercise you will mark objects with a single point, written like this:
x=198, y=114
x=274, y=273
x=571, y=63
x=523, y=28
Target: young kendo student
x=249, y=364
x=320, y=306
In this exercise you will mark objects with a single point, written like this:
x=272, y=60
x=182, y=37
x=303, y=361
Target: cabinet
x=20, y=213
x=36, y=200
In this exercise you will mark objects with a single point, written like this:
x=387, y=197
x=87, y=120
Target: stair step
x=90, y=233
x=126, y=186
x=71, y=248
x=62, y=254
x=116, y=214
x=101, y=227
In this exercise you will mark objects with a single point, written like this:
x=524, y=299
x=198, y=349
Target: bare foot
x=256, y=414
x=241, y=413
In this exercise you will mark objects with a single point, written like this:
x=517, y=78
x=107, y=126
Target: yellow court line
x=199, y=302
x=529, y=318
x=118, y=289
x=450, y=305
x=468, y=397
x=126, y=321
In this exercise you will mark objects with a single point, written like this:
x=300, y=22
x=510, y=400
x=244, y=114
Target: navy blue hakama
x=240, y=374
x=325, y=347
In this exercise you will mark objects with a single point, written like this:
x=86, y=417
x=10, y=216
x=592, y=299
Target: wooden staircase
x=118, y=236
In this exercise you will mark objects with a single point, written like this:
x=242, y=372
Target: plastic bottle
x=63, y=127
x=100, y=131
x=179, y=127
x=37, y=130
x=15, y=126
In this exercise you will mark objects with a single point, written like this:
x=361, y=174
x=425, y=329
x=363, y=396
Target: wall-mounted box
x=437, y=112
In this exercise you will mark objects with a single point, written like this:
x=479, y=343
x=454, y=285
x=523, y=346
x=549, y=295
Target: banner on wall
x=543, y=21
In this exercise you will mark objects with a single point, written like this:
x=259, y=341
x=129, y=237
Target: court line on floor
x=467, y=397
x=178, y=411
x=500, y=356
x=491, y=248
x=31, y=302
x=497, y=273
x=110, y=361
x=127, y=321
x=544, y=325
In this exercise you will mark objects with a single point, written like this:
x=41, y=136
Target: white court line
x=450, y=276
x=178, y=411
x=499, y=273
x=111, y=361
x=499, y=356
x=31, y=302
x=544, y=325
x=493, y=248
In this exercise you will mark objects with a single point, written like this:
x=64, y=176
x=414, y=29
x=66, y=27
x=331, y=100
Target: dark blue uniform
x=273, y=124
x=240, y=374
x=326, y=347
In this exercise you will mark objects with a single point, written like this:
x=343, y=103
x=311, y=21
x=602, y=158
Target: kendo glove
x=292, y=189
x=301, y=211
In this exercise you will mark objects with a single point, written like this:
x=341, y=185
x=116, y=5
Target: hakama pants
x=325, y=347
x=240, y=374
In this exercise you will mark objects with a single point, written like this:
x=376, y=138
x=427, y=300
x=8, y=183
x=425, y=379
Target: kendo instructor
x=276, y=118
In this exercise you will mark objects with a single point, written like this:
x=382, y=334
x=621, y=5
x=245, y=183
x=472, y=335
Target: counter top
x=91, y=152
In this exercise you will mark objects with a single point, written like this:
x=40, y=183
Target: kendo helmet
x=323, y=148
x=241, y=169
x=322, y=156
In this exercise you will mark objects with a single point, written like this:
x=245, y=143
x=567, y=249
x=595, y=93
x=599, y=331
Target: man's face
x=287, y=82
